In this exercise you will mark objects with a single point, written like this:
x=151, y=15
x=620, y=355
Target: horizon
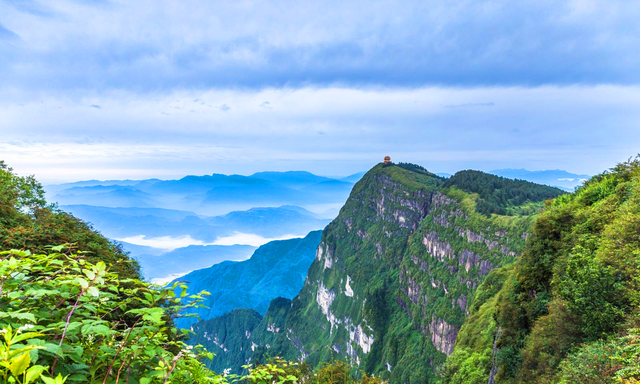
x=336, y=177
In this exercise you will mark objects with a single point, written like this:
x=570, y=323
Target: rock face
x=443, y=335
x=392, y=277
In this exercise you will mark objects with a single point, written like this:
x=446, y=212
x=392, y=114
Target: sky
x=99, y=89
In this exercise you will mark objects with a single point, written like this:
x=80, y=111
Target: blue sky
x=109, y=89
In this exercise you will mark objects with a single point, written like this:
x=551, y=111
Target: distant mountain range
x=173, y=227
x=209, y=194
x=170, y=243
x=276, y=269
x=167, y=266
x=270, y=222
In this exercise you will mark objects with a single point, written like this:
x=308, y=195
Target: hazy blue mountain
x=353, y=178
x=120, y=197
x=120, y=223
x=557, y=178
x=299, y=210
x=270, y=222
x=291, y=179
x=95, y=211
x=94, y=189
x=190, y=185
x=276, y=269
x=259, y=192
x=444, y=174
x=209, y=194
x=184, y=260
x=51, y=189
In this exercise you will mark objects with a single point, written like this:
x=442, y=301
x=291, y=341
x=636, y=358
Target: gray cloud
x=356, y=43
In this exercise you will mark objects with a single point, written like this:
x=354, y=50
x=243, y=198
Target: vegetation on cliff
x=568, y=311
x=395, y=274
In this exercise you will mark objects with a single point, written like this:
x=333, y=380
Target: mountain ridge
x=393, y=276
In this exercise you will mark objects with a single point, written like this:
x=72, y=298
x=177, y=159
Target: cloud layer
x=162, y=44
x=334, y=131
x=160, y=88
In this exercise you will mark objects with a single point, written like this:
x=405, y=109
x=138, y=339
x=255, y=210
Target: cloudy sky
x=101, y=89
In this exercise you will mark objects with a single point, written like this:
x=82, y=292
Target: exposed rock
x=494, y=366
x=347, y=288
x=325, y=297
x=358, y=336
x=443, y=335
x=437, y=248
x=462, y=302
x=320, y=251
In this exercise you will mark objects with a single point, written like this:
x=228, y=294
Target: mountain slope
x=394, y=275
x=277, y=268
x=567, y=312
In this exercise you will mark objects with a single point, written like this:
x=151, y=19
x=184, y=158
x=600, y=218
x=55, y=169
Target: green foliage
x=20, y=193
x=500, y=195
x=27, y=222
x=279, y=371
x=616, y=360
x=575, y=285
x=65, y=319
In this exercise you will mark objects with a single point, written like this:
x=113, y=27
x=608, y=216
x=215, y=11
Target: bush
x=65, y=319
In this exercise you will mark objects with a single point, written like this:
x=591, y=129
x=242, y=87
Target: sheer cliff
x=395, y=273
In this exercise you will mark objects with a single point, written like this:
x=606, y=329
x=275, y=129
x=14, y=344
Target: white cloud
x=249, y=239
x=583, y=129
x=167, y=279
x=169, y=243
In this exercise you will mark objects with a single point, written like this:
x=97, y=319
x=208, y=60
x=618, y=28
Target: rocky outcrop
x=443, y=335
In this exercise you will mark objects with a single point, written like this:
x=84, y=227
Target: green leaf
x=34, y=372
x=20, y=364
x=23, y=316
x=93, y=291
x=83, y=283
x=90, y=274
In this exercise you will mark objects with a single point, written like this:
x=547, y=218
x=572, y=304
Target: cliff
x=395, y=272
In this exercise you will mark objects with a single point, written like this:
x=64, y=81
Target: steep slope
x=277, y=268
x=568, y=310
x=234, y=329
x=27, y=222
x=394, y=274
